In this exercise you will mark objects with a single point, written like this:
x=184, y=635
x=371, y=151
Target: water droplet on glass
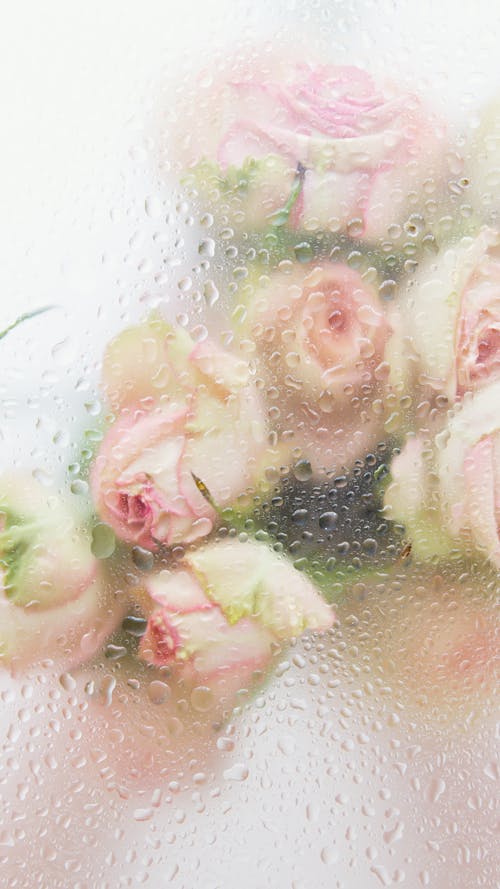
x=202, y=699
x=103, y=541
x=302, y=470
x=328, y=521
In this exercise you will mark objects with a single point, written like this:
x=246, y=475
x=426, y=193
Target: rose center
x=489, y=345
x=134, y=507
x=164, y=636
x=337, y=320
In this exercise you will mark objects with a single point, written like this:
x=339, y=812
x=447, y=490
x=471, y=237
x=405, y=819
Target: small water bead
x=340, y=482
x=64, y=352
x=355, y=259
x=79, y=487
x=67, y=681
x=114, y=652
x=103, y=541
x=300, y=516
x=158, y=692
x=355, y=228
x=135, y=626
x=202, y=699
x=328, y=521
x=415, y=225
x=142, y=558
x=211, y=293
x=206, y=247
x=303, y=252
x=302, y=470
x=199, y=333
x=237, y=772
x=185, y=284
x=387, y=289
x=337, y=320
x=153, y=207
x=370, y=546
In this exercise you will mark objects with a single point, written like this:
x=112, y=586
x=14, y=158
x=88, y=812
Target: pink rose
x=447, y=324
x=468, y=466
x=189, y=632
x=251, y=580
x=156, y=363
x=447, y=490
x=314, y=146
x=52, y=599
x=323, y=329
x=218, y=618
x=321, y=333
x=186, y=449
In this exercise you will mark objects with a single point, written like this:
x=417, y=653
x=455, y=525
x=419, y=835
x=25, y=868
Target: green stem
x=25, y=317
x=280, y=217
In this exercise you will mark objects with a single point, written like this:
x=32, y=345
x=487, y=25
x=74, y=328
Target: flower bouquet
x=333, y=422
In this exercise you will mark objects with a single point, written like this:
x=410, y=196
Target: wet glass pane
x=249, y=443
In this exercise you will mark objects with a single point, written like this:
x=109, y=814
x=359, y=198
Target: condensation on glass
x=355, y=742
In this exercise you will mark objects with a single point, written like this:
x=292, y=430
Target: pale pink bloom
x=320, y=333
x=222, y=613
x=324, y=327
x=154, y=362
x=458, y=654
x=322, y=144
x=447, y=490
x=142, y=485
x=447, y=324
x=185, y=448
x=468, y=468
x=186, y=629
x=53, y=602
x=67, y=634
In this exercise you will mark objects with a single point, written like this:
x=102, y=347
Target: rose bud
x=248, y=579
x=186, y=449
x=218, y=619
x=52, y=599
x=447, y=325
x=212, y=660
x=189, y=632
x=447, y=491
x=311, y=146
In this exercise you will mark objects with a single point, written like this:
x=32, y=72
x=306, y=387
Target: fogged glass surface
x=346, y=734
